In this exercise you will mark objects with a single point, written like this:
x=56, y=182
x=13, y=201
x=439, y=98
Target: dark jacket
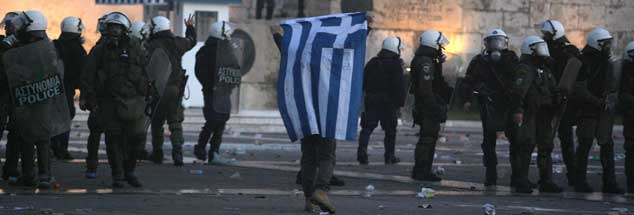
x=431, y=92
x=384, y=80
x=175, y=47
x=206, y=65
x=591, y=87
x=73, y=54
x=626, y=93
x=114, y=73
x=535, y=87
x=560, y=54
x=489, y=78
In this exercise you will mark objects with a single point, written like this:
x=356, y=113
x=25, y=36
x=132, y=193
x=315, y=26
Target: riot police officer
x=489, y=75
x=217, y=106
x=532, y=99
x=561, y=51
x=384, y=90
x=12, y=151
x=626, y=95
x=94, y=126
x=35, y=116
x=70, y=49
x=170, y=107
x=432, y=94
x=597, y=107
x=115, y=85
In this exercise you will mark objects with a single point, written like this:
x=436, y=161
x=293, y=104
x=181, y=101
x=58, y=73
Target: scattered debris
x=425, y=206
x=489, y=209
x=196, y=171
x=439, y=170
x=369, y=190
x=425, y=193
x=236, y=176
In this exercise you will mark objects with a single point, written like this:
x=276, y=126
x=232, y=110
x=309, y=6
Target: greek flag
x=131, y=1
x=321, y=75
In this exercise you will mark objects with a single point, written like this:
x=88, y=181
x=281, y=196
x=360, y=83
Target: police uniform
x=384, y=89
x=116, y=84
x=432, y=94
x=560, y=54
x=627, y=104
x=594, y=121
x=492, y=81
x=170, y=107
x=70, y=49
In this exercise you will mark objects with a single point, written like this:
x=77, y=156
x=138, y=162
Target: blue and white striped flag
x=321, y=75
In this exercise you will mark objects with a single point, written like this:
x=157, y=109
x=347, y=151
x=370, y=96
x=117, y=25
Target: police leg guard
x=583, y=150
x=157, y=142
x=177, y=143
x=116, y=154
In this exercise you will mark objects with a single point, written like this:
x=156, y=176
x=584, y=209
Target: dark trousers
x=374, y=114
x=492, y=121
x=214, y=127
x=123, y=147
x=170, y=111
x=522, y=140
x=318, y=155
x=589, y=129
x=59, y=143
x=300, y=8
x=628, y=132
x=12, y=155
x=27, y=153
x=544, y=142
x=566, y=139
x=425, y=148
x=270, y=5
x=95, y=129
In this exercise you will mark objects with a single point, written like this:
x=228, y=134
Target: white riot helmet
x=31, y=20
x=535, y=46
x=433, y=39
x=553, y=29
x=118, y=18
x=599, y=39
x=392, y=44
x=629, y=52
x=72, y=24
x=221, y=30
x=158, y=24
x=139, y=30
x=496, y=40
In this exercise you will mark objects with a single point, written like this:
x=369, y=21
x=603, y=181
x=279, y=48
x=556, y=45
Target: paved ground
x=262, y=182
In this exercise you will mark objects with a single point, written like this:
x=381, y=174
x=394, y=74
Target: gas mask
x=606, y=47
x=494, y=46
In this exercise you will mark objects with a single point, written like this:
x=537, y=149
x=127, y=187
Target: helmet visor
x=540, y=49
x=630, y=53
x=443, y=41
x=496, y=43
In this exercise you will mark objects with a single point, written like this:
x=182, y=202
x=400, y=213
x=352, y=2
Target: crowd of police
x=130, y=80
x=548, y=89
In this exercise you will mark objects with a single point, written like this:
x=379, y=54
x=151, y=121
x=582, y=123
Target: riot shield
x=228, y=76
x=35, y=76
x=569, y=75
x=566, y=83
x=615, y=69
x=159, y=69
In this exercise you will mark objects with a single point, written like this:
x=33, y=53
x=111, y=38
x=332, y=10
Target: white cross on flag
x=321, y=75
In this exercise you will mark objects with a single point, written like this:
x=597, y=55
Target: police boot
x=612, y=187
x=581, y=184
x=157, y=156
x=337, y=182
x=491, y=176
x=523, y=187
x=199, y=149
x=320, y=198
x=362, y=156
x=309, y=206
x=177, y=155
x=607, y=161
x=424, y=158
x=389, y=144
x=549, y=187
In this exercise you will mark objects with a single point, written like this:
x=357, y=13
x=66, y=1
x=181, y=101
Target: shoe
x=91, y=175
x=157, y=157
x=392, y=160
x=44, y=184
x=309, y=206
x=199, y=152
x=66, y=156
x=362, y=157
x=427, y=177
x=583, y=187
x=334, y=181
x=320, y=198
x=134, y=182
x=613, y=188
x=523, y=189
x=549, y=187
x=118, y=184
x=25, y=182
x=491, y=178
